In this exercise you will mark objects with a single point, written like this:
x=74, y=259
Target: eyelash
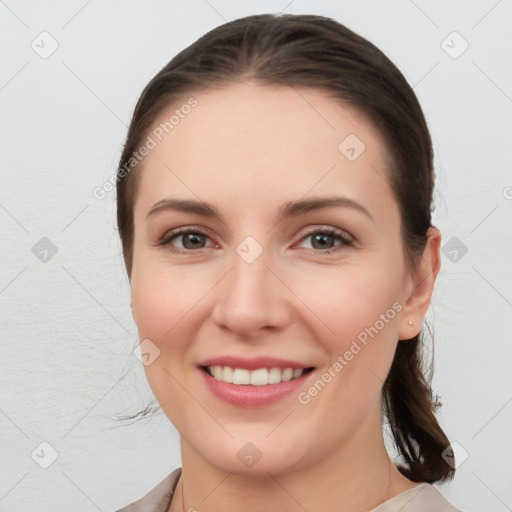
x=335, y=233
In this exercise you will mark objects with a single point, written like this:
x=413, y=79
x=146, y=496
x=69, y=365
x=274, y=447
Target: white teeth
x=240, y=376
x=274, y=376
x=259, y=377
x=227, y=374
x=287, y=374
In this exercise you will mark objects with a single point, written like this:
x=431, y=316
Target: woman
x=274, y=206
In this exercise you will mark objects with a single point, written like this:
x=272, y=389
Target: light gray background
x=67, y=367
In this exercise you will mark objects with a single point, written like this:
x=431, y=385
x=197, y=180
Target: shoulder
x=157, y=499
x=422, y=498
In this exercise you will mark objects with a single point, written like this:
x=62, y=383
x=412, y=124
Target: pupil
x=193, y=238
x=318, y=238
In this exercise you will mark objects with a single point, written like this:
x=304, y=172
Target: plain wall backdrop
x=70, y=76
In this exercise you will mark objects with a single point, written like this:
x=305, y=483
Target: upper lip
x=253, y=363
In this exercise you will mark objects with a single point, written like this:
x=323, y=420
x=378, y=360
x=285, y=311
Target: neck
x=357, y=475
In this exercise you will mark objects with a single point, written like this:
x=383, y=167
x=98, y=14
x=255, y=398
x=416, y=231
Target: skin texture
x=248, y=149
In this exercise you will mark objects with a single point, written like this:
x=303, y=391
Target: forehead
x=248, y=141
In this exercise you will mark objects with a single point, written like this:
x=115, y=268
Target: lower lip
x=252, y=396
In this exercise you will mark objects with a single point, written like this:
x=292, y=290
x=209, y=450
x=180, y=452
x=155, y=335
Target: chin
x=256, y=458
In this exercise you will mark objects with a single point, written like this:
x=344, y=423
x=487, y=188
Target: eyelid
x=324, y=228
x=183, y=230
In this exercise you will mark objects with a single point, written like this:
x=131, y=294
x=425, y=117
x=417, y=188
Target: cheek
x=361, y=308
x=349, y=299
x=163, y=301
x=162, y=296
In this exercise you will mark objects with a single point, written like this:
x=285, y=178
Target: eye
x=323, y=240
x=191, y=239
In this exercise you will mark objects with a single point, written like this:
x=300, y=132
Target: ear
x=420, y=286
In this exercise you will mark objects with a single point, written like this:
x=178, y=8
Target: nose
x=252, y=297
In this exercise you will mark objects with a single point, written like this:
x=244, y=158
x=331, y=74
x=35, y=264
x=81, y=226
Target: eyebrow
x=290, y=209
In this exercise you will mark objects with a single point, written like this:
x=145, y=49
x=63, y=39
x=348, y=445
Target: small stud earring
x=409, y=322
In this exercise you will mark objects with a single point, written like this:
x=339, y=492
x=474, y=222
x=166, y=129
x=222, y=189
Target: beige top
x=422, y=498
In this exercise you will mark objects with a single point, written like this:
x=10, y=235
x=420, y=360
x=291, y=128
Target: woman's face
x=322, y=288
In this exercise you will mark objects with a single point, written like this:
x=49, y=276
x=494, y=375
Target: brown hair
x=319, y=52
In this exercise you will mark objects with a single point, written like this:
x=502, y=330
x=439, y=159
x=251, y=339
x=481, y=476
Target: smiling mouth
x=259, y=377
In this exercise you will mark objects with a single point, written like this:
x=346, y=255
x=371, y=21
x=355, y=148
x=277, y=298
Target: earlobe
x=421, y=286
